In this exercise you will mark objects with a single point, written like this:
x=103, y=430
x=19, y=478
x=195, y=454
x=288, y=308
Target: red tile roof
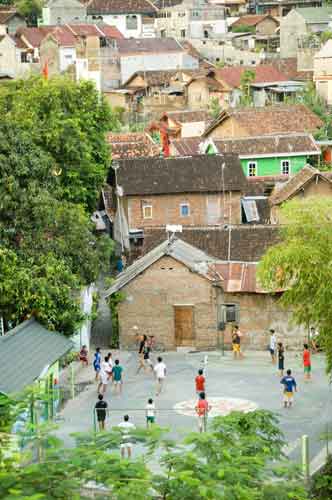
x=64, y=36
x=250, y=20
x=110, y=31
x=132, y=145
x=238, y=277
x=263, y=73
x=121, y=7
x=7, y=12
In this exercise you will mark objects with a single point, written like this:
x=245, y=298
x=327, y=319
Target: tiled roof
x=195, y=174
x=264, y=73
x=121, y=7
x=315, y=14
x=238, y=277
x=132, y=145
x=296, y=183
x=196, y=260
x=268, y=145
x=244, y=243
x=6, y=13
x=99, y=30
x=64, y=36
x=250, y=20
x=188, y=116
x=141, y=45
x=269, y=120
x=186, y=147
x=153, y=78
x=34, y=36
x=288, y=66
x=41, y=349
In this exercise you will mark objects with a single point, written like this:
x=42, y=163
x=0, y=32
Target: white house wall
x=155, y=62
x=119, y=21
x=67, y=57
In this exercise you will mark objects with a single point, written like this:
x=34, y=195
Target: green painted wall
x=272, y=166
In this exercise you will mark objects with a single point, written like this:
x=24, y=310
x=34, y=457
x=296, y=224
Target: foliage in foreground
x=53, y=162
x=301, y=265
x=239, y=458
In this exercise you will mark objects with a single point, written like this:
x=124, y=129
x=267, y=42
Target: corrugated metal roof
x=25, y=352
x=192, y=257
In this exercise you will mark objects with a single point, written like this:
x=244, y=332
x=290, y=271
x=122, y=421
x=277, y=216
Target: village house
x=269, y=120
x=130, y=17
x=280, y=8
x=268, y=155
x=232, y=8
x=15, y=57
x=298, y=31
x=186, y=123
x=60, y=12
x=323, y=72
x=189, y=297
x=40, y=364
x=306, y=183
x=225, y=84
x=264, y=24
x=191, y=19
x=158, y=54
x=10, y=20
x=199, y=190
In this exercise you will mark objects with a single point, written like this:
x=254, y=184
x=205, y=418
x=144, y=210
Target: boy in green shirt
x=117, y=376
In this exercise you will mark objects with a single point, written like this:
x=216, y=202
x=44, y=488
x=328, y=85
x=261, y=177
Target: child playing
x=200, y=382
x=83, y=355
x=281, y=359
x=117, y=376
x=306, y=362
x=150, y=413
x=289, y=384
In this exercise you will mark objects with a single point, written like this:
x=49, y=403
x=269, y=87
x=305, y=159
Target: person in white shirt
x=104, y=376
x=126, y=444
x=150, y=412
x=273, y=345
x=160, y=374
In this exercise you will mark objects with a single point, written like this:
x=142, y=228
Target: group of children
x=107, y=371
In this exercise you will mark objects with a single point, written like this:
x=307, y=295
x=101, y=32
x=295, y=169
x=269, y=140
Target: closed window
x=183, y=33
x=252, y=169
x=147, y=211
x=285, y=167
x=228, y=313
x=131, y=22
x=184, y=209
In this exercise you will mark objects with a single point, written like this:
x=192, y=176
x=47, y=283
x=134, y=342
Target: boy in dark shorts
x=150, y=411
x=100, y=409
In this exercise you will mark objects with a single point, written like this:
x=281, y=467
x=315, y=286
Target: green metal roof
x=26, y=352
x=316, y=14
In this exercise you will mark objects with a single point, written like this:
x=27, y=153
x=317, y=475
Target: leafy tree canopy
x=68, y=122
x=53, y=162
x=301, y=265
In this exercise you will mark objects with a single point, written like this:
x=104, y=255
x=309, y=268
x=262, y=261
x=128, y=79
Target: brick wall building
x=183, y=297
x=197, y=190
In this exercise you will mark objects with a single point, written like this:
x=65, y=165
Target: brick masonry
x=205, y=209
x=151, y=297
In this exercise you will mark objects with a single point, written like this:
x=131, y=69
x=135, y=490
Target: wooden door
x=184, y=325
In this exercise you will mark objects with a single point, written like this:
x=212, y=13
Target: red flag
x=45, y=70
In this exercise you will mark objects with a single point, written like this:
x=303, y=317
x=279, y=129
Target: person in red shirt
x=306, y=362
x=200, y=382
x=202, y=410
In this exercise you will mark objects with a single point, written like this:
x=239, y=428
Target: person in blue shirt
x=97, y=362
x=289, y=383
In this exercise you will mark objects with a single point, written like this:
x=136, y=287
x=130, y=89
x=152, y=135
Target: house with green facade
x=265, y=156
x=30, y=355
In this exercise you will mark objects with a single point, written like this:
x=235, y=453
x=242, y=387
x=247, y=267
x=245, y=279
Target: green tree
x=31, y=10
x=300, y=265
x=215, y=107
x=247, y=78
x=68, y=121
x=310, y=98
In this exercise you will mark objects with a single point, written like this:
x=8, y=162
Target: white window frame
x=282, y=167
x=184, y=205
x=143, y=211
x=248, y=168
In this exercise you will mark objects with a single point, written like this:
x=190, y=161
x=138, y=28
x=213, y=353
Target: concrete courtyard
x=253, y=379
